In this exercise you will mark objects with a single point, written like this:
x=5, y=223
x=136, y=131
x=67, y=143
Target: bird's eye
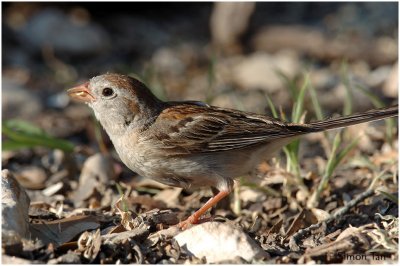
x=107, y=92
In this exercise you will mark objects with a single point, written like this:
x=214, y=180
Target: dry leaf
x=127, y=220
x=63, y=230
x=89, y=243
x=321, y=215
x=304, y=219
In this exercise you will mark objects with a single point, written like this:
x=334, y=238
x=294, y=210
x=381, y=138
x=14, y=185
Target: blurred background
x=235, y=55
x=228, y=54
x=247, y=56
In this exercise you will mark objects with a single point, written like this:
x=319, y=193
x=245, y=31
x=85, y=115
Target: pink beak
x=81, y=93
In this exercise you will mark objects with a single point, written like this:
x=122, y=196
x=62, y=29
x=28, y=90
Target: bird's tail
x=371, y=115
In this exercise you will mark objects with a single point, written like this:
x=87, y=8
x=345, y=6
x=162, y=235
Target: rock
x=59, y=100
x=219, y=242
x=69, y=258
x=61, y=165
x=259, y=70
x=5, y=259
x=252, y=195
x=377, y=77
x=51, y=27
x=323, y=78
x=98, y=166
x=31, y=177
x=53, y=189
x=14, y=208
x=18, y=101
x=228, y=22
x=339, y=93
x=251, y=101
x=169, y=196
x=97, y=172
x=145, y=37
x=314, y=43
x=390, y=87
x=167, y=60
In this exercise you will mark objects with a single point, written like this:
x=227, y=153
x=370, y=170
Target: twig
x=303, y=232
x=366, y=194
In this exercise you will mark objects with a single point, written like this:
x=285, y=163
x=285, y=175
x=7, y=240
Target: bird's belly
x=216, y=169
x=170, y=170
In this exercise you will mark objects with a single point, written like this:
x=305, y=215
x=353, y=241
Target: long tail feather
x=371, y=115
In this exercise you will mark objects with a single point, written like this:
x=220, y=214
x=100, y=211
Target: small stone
x=167, y=60
x=5, y=259
x=14, y=208
x=260, y=70
x=169, y=196
x=250, y=101
x=69, y=258
x=97, y=171
x=98, y=166
x=248, y=194
x=377, y=77
x=31, y=177
x=53, y=189
x=391, y=85
x=18, y=101
x=219, y=242
x=54, y=28
x=228, y=22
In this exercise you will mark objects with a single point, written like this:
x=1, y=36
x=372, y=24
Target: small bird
x=191, y=144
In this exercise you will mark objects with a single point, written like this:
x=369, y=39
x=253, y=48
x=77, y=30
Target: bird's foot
x=191, y=220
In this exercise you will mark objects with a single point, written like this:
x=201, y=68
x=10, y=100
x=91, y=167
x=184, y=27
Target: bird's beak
x=81, y=93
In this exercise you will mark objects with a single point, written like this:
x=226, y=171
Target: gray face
x=121, y=102
x=114, y=104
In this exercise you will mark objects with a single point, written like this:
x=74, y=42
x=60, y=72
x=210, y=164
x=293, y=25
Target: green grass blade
x=20, y=125
x=299, y=102
x=348, y=100
x=330, y=166
x=389, y=196
x=334, y=159
x=345, y=151
x=271, y=106
x=22, y=134
x=315, y=103
x=288, y=83
x=390, y=122
x=11, y=145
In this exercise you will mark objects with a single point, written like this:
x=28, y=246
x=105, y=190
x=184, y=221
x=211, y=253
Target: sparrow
x=191, y=144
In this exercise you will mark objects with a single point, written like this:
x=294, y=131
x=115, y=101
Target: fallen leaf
x=63, y=230
x=89, y=243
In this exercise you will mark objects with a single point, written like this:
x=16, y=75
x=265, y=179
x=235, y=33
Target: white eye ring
x=108, y=93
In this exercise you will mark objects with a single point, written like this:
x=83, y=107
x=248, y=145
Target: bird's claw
x=191, y=220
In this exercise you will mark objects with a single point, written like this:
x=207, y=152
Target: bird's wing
x=193, y=128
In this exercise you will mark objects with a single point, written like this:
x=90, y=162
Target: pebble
x=390, y=87
x=31, y=177
x=219, y=242
x=259, y=70
x=251, y=195
x=14, y=208
x=18, y=101
x=97, y=171
x=54, y=28
x=228, y=22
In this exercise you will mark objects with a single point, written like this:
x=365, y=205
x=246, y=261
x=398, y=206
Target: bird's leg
x=194, y=218
x=222, y=204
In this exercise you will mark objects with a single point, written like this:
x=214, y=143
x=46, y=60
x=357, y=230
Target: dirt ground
x=75, y=202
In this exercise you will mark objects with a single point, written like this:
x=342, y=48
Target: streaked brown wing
x=190, y=128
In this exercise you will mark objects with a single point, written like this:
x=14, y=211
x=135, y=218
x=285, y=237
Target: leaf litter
x=86, y=207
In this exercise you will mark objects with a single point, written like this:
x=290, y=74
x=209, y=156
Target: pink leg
x=194, y=218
